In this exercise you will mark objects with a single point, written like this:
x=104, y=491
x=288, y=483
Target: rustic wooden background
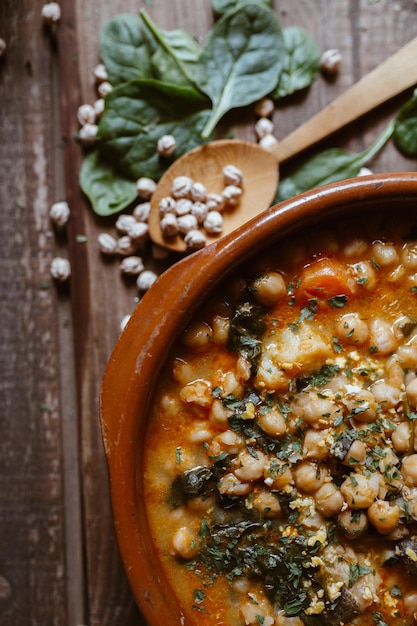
x=59, y=563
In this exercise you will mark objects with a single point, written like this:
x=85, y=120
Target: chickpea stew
x=280, y=467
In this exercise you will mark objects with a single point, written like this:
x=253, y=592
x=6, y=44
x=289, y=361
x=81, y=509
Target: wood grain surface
x=59, y=563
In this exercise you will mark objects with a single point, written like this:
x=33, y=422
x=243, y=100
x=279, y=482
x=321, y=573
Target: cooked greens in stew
x=281, y=459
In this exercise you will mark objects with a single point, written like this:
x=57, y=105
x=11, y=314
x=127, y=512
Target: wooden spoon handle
x=393, y=76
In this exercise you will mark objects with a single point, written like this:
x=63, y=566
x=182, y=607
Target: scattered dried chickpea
x=268, y=141
x=145, y=280
x=145, y=187
x=60, y=269
x=166, y=145
x=51, y=12
x=330, y=61
x=265, y=107
x=87, y=134
x=104, y=88
x=132, y=265
x=263, y=127
x=107, y=244
x=59, y=213
x=100, y=73
x=86, y=114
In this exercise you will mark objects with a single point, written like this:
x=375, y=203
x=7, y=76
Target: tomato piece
x=325, y=279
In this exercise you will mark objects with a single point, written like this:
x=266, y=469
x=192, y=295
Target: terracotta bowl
x=158, y=321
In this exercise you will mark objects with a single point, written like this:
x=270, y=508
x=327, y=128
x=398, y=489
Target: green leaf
x=405, y=130
x=220, y=7
x=125, y=49
x=107, y=191
x=327, y=167
x=175, y=55
x=301, y=62
x=138, y=113
x=241, y=61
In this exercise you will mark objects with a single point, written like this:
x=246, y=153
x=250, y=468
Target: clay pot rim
x=158, y=319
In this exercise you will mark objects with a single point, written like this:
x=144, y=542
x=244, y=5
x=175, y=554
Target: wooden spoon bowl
x=260, y=167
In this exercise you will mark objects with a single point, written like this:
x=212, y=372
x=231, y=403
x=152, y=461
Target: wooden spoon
x=260, y=166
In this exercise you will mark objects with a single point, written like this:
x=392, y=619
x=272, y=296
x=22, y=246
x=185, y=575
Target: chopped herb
x=338, y=302
x=356, y=571
x=373, y=350
x=178, y=455
x=396, y=592
x=378, y=619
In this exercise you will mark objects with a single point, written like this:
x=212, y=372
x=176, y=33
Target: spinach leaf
x=241, y=61
x=405, y=130
x=301, y=62
x=107, y=191
x=246, y=329
x=224, y=6
x=138, y=113
x=125, y=49
x=175, y=54
x=328, y=166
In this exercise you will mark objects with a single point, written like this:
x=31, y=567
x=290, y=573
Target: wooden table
x=59, y=562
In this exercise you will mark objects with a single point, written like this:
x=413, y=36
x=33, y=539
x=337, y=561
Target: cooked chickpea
x=383, y=516
x=249, y=466
x=219, y=414
x=407, y=355
x=197, y=392
x=315, y=410
x=183, y=372
x=362, y=406
x=384, y=254
x=184, y=543
x=197, y=336
x=278, y=474
x=221, y=326
x=309, y=477
x=227, y=441
x=365, y=275
x=388, y=396
x=410, y=603
x=269, y=288
x=382, y=337
x=315, y=446
x=329, y=500
x=411, y=391
x=400, y=437
x=265, y=502
x=409, y=470
x=356, y=455
x=358, y=491
x=229, y=484
x=272, y=422
x=353, y=523
x=409, y=256
x=355, y=247
x=352, y=330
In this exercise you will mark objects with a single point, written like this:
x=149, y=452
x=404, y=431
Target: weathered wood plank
x=32, y=533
